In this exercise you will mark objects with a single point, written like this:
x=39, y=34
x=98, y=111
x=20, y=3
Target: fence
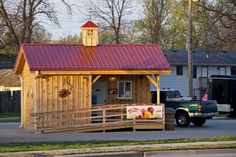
x=99, y=118
x=10, y=101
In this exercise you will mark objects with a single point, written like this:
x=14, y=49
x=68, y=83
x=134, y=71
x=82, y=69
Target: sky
x=70, y=24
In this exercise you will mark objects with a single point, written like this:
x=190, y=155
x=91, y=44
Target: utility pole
x=190, y=59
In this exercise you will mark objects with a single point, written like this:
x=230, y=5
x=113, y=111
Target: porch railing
x=98, y=118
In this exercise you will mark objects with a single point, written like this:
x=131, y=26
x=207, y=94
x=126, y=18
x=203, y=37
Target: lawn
x=6, y=117
x=32, y=146
x=9, y=114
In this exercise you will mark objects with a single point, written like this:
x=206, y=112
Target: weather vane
x=90, y=13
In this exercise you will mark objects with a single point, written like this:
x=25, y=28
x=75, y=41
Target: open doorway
x=99, y=95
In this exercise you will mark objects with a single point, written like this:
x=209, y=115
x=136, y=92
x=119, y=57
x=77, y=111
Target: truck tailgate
x=209, y=106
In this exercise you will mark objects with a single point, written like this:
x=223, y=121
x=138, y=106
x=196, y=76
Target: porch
x=98, y=118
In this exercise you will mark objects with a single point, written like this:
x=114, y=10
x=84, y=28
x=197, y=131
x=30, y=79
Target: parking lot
x=10, y=132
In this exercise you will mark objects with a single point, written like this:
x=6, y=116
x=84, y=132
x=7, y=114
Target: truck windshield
x=173, y=94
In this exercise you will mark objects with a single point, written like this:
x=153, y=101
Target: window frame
x=194, y=71
x=203, y=68
x=181, y=72
x=233, y=68
x=90, y=33
x=124, y=81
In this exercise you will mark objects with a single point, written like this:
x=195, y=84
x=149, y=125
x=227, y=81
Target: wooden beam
x=19, y=63
x=158, y=88
x=107, y=72
x=22, y=102
x=96, y=78
x=151, y=80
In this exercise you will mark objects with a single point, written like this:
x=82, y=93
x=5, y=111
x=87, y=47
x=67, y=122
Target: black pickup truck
x=187, y=110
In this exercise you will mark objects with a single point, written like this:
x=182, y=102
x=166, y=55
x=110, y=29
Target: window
x=194, y=71
x=90, y=33
x=204, y=71
x=124, y=90
x=233, y=70
x=179, y=70
x=222, y=70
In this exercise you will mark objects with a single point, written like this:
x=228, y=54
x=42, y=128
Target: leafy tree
x=106, y=36
x=175, y=32
x=217, y=22
x=165, y=23
x=70, y=39
x=151, y=27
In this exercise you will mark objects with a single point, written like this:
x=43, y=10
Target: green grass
x=12, y=120
x=19, y=147
x=9, y=114
x=9, y=117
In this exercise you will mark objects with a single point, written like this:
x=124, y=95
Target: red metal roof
x=102, y=57
x=89, y=24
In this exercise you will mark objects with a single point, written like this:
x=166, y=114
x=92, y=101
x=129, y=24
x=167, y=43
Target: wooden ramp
x=99, y=118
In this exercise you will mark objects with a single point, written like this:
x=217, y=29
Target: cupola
x=90, y=34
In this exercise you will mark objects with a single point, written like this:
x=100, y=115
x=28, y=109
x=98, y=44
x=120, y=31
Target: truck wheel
x=198, y=121
x=182, y=119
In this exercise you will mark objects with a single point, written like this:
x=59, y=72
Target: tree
x=175, y=31
x=155, y=15
x=70, y=39
x=217, y=23
x=165, y=23
x=19, y=21
x=112, y=13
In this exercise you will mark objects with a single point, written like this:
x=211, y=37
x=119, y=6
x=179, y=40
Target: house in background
x=7, y=61
x=60, y=80
x=205, y=64
x=10, y=88
x=9, y=81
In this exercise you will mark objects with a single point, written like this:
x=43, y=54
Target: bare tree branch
x=111, y=12
x=20, y=19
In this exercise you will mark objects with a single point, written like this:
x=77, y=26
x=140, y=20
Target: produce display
x=144, y=112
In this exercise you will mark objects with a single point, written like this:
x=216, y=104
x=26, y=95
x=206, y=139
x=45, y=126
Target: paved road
x=9, y=132
x=181, y=153
x=194, y=153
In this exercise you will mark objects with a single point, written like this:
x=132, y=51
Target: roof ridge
x=128, y=44
x=48, y=44
x=89, y=24
x=79, y=44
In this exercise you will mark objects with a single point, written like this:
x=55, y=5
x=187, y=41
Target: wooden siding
x=49, y=98
x=140, y=89
x=66, y=93
x=28, y=91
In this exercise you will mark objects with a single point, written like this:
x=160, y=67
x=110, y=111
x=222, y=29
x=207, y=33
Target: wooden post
x=104, y=119
x=190, y=57
x=158, y=88
x=163, y=116
x=89, y=100
x=151, y=80
x=96, y=78
x=134, y=123
x=22, y=102
x=35, y=101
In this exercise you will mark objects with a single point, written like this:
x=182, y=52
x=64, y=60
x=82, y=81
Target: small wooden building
x=62, y=82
